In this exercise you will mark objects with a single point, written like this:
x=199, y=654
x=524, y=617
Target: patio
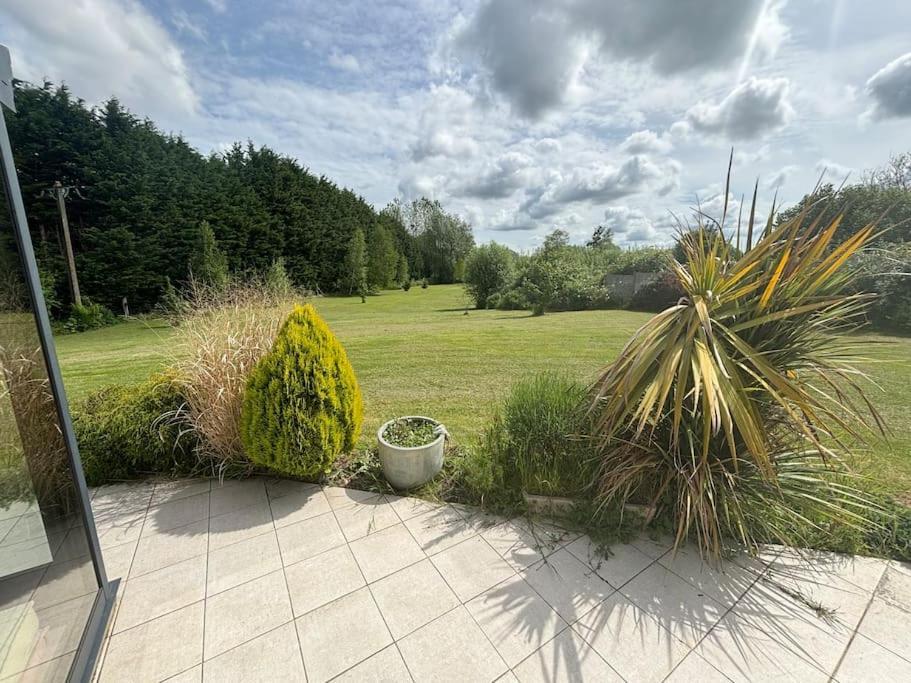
x=277, y=580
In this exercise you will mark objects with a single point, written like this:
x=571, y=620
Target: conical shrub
x=302, y=405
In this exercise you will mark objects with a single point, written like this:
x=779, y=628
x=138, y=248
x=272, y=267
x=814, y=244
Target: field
x=417, y=352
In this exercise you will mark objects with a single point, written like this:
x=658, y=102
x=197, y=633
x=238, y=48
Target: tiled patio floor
x=264, y=580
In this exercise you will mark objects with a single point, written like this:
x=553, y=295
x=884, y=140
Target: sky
x=522, y=116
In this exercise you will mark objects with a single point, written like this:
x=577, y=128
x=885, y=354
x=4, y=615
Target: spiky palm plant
x=727, y=408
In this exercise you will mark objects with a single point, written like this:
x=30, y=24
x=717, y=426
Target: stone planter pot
x=408, y=467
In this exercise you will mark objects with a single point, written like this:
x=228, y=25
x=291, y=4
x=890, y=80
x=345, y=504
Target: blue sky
x=521, y=115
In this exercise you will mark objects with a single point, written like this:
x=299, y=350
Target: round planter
x=406, y=468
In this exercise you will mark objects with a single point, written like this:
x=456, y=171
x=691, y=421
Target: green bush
x=658, y=295
x=536, y=442
x=406, y=285
x=88, y=316
x=124, y=432
x=302, y=405
x=489, y=269
x=886, y=272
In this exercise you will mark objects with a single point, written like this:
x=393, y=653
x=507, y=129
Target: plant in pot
x=411, y=450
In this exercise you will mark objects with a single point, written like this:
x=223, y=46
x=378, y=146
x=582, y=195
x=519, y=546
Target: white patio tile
x=407, y=507
x=115, y=529
x=622, y=563
x=245, y=612
x=569, y=586
x=176, y=513
x=311, y=537
x=634, y=644
x=675, y=604
x=867, y=661
x=451, y=648
x=341, y=634
x=295, y=506
x=121, y=498
x=321, y=579
x=341, y=497
x=695, y=668
x=439, y=529
x=362, y=519
x=157, y=649
x=515, y=619
x=118, y=559
x=276, y=488
x=653, y=547
x=770, y=635
x=895, y=587
x=230, y=495
x=193, y=675
x=169, y=491
x=724, y=583
x=385, y=552
x=889, y=626
x=386, y=666
x=164, y=590
x=45, y=634
x=239, y=525
x=169, y=547
x=273, y=656
x=242, y=561
x=565, y=659
x=821, y=567
x=471, y=568
x=54, y=670
x=64, y=581
x=413, y=597
x=522, y=543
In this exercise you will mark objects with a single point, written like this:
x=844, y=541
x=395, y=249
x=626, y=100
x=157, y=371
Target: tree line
x=145, y=206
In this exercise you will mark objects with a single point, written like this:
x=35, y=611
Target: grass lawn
x=417, y=352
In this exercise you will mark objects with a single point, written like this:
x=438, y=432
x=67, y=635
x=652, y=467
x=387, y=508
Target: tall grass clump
x=223, y=332
x=729, y=410
x=536, y=442
x=302, y=405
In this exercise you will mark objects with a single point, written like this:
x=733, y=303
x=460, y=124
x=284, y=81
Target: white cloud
x=498, y=179
x=646, y=141
x=535, y=51
x=752, y=109
x=344, y=62
x=890, y=88
x=101, y=48
x=833, y=172
x=780, y=177
x=629, y=224
x=600, y=183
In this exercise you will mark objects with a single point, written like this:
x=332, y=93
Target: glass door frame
x=92, y=635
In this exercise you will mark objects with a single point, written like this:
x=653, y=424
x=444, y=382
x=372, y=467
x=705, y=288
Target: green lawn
x=417, y=352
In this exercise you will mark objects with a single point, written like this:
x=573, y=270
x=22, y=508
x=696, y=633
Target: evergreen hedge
x=302, y=406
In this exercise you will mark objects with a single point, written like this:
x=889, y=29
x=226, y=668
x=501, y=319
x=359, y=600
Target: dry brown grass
x=222, y=333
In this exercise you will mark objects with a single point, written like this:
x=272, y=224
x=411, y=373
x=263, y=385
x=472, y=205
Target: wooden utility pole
x=59, y=192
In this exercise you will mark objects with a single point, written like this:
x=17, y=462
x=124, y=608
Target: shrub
x=661, y=293
x=537, y=441
x=488, y=270
x=886, y=271
x=510, y=300
x=406, y=285
x=277, y=281
x=88, y=316
x=302, y=405
x=124, y=432
x=721, y=409
x=223, y=333
x=425, y=283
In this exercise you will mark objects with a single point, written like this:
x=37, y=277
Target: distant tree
x=208, y=263
x=382, y=259
x=488, y=270
x=356, y=265
x=277, y=281
x=602, y=238
x=402, y=276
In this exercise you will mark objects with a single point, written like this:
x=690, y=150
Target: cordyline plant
x=727, y=407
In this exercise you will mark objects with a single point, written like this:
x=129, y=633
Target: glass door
x=54, y=597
